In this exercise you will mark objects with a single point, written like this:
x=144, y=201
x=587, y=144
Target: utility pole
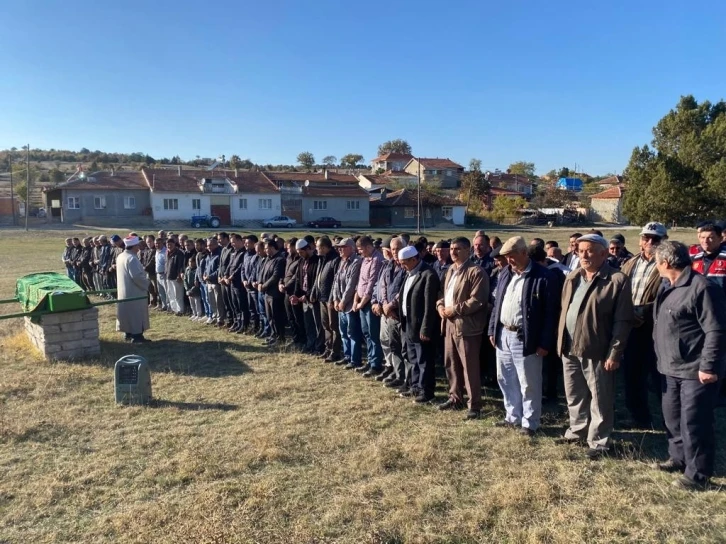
x=12, y=191
x=418, y=203
x=27, y=185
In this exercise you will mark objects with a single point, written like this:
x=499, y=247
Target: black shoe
x=596, y=453
x=236, y=327
x=451, y=404
x=364, y=368
x=670, y=466
x=473, y=414
x=387, y=371
x=687, y=484
x=405, y=392
x=259, y=335
x=341, y=362
x=325, y=355
x=351, y=366
x=333, y=358
x=393, y=383
x=373, y=372
x=140, y=339
x=271, y=342
x=423, y=398
x=526, y=432
x=505, y=424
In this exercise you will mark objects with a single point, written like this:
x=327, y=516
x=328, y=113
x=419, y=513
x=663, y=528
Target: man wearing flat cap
x=132, y=318
x=442, y=250
x=522, y=329
x=595, y=321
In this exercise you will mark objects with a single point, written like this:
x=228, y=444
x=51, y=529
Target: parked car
x=199, y=221
x=279, y=221
x=325, y=223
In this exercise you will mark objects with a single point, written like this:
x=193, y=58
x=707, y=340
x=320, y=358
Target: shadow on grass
x=210, y=359
x=192, y=406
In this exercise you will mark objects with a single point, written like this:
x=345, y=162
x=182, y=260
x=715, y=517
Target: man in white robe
x=132, y=318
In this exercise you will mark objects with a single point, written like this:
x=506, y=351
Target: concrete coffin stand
x=65, y=335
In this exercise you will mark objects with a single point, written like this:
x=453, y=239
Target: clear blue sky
x=550, y=82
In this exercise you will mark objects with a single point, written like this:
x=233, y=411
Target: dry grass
x=247, y=446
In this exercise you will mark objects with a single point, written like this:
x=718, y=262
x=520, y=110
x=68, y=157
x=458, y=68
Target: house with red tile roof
x=443, y=173
x=240, y=198
x=395, y=162
x=377, y=181
x=306, y=197
x=400, y=209
x=511, y=182
x=607, y=206
x=104, y=198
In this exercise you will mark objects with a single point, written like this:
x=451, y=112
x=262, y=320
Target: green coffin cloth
x=33, y=290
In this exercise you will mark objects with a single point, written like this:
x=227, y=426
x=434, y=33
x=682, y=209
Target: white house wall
x=458, y=215
x=184, y=211
x=254, y=212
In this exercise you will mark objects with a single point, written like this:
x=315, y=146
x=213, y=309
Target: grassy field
x=247, y=445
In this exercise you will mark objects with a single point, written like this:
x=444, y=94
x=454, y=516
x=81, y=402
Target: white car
x=279, y=221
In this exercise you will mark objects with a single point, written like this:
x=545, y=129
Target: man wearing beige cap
x=522, y=329
x=595, y=321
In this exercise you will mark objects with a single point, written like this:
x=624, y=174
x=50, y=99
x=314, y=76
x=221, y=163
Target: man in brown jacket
x=639, y=358
x=463, y=310
x=596, y=318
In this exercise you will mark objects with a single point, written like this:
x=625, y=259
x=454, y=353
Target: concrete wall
x=65, y=335
x=185, y=210
x=253, y=213
x=337, y=207
x=606, y=210
x=114, y=210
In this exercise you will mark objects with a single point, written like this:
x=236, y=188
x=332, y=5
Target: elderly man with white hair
x=595, y=321
x=132, y=318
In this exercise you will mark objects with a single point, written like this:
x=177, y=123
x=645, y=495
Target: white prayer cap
x=131, y=241
x=407, y=253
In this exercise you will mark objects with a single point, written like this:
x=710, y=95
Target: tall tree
x=394, y=146
x=351, y=160
x=682, y=177
x=563, y=172
x=522, y=168
x=234, y=161
x=306, y=160
x=474, y=183
x=330, y=160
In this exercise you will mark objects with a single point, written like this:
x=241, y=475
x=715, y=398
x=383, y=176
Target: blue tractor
x=199, y=221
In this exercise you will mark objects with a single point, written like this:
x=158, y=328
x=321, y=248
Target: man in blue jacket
x=522, y=329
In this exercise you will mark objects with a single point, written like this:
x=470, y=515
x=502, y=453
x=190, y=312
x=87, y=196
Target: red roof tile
x=128, y=180
x=612, y=180
x=613, y=193
x=302, y=177
x=500, y=191
x=169, y=180
x=253, y=182
x=404, y=197
x=393, y=157
x=337, y=191
x=439, y=163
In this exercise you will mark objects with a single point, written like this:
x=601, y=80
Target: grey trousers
x=392, y=346
x=590, y=392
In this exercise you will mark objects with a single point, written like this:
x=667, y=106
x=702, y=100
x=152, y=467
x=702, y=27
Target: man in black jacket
x=174, y=270
x=420, y=323
x=304, y=282
x=691, y=361
x=328, y=261
x=249, y=269
x=226, y=313
x=272, y=272
x=233, y=280
x=287, y=287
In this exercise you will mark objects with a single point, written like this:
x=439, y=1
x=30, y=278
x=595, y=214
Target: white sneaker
x=209, y=321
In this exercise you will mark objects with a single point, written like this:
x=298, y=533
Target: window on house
x=434, y=172
x=320, y=204
x=353, y=205
x=196, y=203
x=447, y=212
x=171, y=203
x=449, y=173
x=409, y=213
x=99, y=202
x=265, y=203
x=242, y=203
x=74, y=203
x=129, y=202
x=427, y=213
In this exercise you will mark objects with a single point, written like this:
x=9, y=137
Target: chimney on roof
x=325, y=173
x=179, y=170
x=236, y=172
x=113, y=171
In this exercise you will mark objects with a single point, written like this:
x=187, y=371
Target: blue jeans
x=520, y=379
x=371, y=328
x=350, y=335
x=264, y=323
x=206, y=308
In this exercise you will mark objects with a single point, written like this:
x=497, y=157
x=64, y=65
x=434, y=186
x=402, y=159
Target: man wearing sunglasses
x=639, y=359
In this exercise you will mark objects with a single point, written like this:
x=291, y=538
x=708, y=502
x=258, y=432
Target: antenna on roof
x=307, y=183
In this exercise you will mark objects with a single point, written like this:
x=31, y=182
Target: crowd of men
x=391, y=309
